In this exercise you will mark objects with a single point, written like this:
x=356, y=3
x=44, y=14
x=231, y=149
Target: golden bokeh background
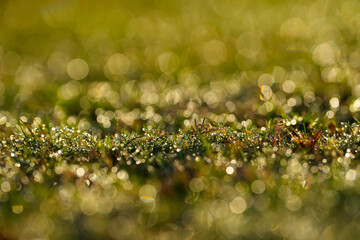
x=119, y=63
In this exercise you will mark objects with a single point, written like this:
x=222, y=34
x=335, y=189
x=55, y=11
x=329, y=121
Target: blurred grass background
x=118, y=64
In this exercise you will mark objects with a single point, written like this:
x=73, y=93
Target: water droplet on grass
x=17, y=209
x=230, y=170
x=5, y=186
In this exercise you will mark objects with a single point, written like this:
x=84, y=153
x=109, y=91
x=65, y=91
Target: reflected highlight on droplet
x=293, y=202
x=118, y=64
x=258, y=186
x=17, y=209
x=326, y=54
x=147, y=199
x=147, y=193
x=266, y=81
x=265, y=92
x=77, y=69
x=237, y=205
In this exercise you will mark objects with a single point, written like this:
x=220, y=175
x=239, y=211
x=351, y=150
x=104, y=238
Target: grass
x=101, y=119
x=293, y=178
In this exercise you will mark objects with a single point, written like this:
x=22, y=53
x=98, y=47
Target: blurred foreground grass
x=97, y=107
x=294, y=179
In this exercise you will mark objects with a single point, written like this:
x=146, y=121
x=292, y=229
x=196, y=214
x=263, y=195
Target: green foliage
x=211, y=181
x=115, y=64
x=98, y=101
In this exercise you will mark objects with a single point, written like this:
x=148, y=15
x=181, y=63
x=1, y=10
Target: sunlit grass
x=100, y=108
x=208, y=181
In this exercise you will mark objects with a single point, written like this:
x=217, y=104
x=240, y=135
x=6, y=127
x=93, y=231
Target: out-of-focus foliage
x=73, y=71
x=120, y=63
x=214, y=182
